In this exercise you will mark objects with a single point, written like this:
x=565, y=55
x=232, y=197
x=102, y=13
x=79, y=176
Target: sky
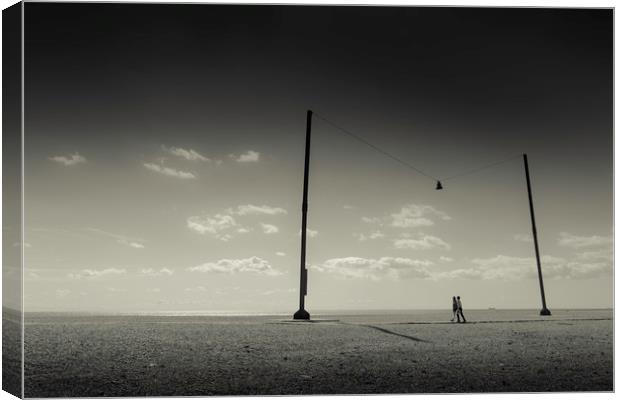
x=11, y=159
x=164, y=153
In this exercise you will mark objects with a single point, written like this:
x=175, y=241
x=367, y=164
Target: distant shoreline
x=221, y=313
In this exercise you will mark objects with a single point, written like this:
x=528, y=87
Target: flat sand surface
x=497, y=351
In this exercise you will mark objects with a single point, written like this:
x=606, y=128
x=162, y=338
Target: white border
x=479, y=3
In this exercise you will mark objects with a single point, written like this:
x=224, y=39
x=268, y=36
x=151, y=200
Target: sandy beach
x=416, y=352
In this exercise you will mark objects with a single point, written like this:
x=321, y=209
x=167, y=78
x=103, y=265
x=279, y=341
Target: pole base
x=301, y=314
x=545, y=311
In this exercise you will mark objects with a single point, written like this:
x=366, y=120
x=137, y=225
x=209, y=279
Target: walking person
x=459, y=310
x=455, y=307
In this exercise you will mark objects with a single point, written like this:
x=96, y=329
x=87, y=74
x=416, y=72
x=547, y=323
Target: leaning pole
x=303, y=272
x=544, y=310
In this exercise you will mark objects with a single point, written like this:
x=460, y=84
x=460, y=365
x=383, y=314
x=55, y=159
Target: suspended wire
x=393, y=157
x=475, y=170
x=406, y=164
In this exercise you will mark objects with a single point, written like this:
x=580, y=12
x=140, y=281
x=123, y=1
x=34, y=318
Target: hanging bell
x=438, y=187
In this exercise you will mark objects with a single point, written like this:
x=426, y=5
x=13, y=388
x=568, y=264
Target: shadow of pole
x=389, y=332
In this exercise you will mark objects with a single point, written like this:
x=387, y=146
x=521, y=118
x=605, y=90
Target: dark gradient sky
x=11, y=156
x=465, y=81
x=445, y=89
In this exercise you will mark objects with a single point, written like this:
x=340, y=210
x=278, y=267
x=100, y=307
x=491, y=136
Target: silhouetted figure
x=455, y=307
x=459, y=310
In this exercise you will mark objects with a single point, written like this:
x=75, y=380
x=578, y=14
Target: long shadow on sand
x=389, y=332
x=337, y=322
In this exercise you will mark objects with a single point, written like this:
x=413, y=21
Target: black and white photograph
x=236, y=199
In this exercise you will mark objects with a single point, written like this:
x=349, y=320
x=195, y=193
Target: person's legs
x=461, y=312
x=458, y=316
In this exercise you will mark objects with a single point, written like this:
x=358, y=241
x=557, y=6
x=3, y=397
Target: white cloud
x=253, y=264
x=120, y=239
x=225, y=238
x=413, y=215
x=196, y=289
x=349, y=207
x=603, y=254
x=371, y=236
x=280, y=253
x=216, y=225
x=250, y=209
x=376, y=235
x=33, y=275
x=269, y=229
x=93, y=273
x=523, y=237
x=400, y=221
x=62, y=292
x=410, y=216
x=424, y=242
x=446, y=259
x=222, y=226
x=277, y=291
x=309, y=233
x=461, y=273
x=69, y=161
x=249, y=156
x=376, y=269
x=509, y=268
x=152, y=272
x=577, y=242
x=190, y=154
x=153, y=290
x=169, y=171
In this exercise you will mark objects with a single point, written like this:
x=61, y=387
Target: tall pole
x=303, y=275
x=545, y=310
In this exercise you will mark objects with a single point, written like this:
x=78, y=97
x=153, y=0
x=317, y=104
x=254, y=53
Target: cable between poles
x=367, y=143
x=478, y=169
x=408, y=165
